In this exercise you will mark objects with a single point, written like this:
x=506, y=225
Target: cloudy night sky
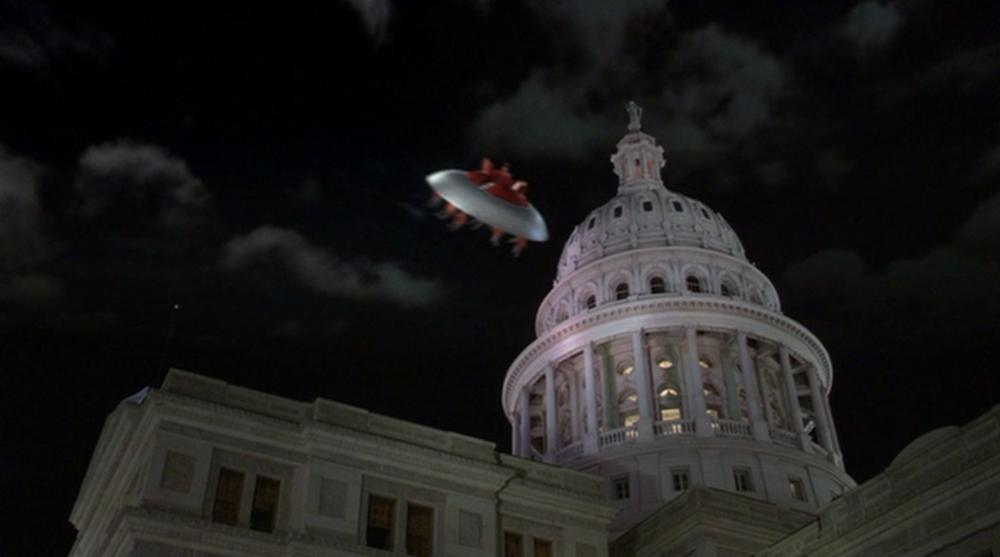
x=263, y=170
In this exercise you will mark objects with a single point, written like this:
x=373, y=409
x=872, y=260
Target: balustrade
x=618, y=436
x=673, y=427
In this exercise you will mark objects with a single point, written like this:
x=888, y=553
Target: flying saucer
x=455, y=187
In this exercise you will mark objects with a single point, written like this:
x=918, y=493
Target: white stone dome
x=643, y=217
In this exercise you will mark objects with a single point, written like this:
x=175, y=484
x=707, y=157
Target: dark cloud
x=962, y=273
x=871, y=25
x=30, y=290
x=321, y=271
x=704, y=95
x=375, y=14
x=23, y=242
x=125, y=176
x=33, y=37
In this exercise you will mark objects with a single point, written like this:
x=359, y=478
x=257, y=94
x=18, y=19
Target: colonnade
x=755, y=424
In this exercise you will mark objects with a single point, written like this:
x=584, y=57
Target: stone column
x=732, y=401
x=822, y=426
x=642, y=382
x=515, y=433
x=525, y=407
x=574, y=405
x=695, y=385
x=590, y=384
x=551, y=423
x=793, y=399
x=757, y=423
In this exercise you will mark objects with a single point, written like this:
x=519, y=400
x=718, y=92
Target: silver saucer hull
x=455, y=187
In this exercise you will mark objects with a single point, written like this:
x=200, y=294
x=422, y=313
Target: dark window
x=543, y=548
x=512, y=545
x=591, y=302
x=419, y=530
x=704, y=213
x=657, y=285
x=797, y=488
x=265, y=504
x=381, y=522
x=680, y=478
x=647, y=206
x=741, y=478
x=590, y=223
x=621, y=291
x=693, y=284
x=618, y=211
x=228, y=493
x=620, y=487
x=727, y=291
x=678, y=206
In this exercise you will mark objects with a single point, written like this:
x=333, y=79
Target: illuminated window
x=797, y=488
x=741, y=479
x=680, y=479
x=381, y=522
x=265, y=504
x=512, y=545
x=620, y=487
x=664, y=363
x=228, y=492
x=670, y=402
x=419, y=530
x=543, y=548
x=657, y=285
x=627, y=370
x=705, y=363
x=621, y=291
x=693, y=284
x=632, y=397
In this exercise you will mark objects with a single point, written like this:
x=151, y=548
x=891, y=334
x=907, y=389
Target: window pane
x=512, y=545
x=265, y=504
x=543, y=548
x=381, y=522
x=228, y=493
x=419, y=530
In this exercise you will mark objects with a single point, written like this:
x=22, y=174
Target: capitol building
x=668, y=407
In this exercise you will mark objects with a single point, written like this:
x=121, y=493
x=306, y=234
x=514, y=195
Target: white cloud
x=22, y=240
x=323, y=272
x=138, y=174
x=872, y=25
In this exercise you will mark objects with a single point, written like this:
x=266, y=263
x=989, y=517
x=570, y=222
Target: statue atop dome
x=634, y=116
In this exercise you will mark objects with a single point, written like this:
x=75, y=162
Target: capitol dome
x=663, y=359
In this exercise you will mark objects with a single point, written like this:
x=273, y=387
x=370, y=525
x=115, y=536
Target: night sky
x=263, y=169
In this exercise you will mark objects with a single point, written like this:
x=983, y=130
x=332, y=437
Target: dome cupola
x=663, y=359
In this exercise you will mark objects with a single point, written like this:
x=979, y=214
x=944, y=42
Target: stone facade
x=154, y=483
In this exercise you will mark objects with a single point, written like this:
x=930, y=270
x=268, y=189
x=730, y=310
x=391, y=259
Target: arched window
x=591, y=302
x=621, y=291
x=628, y=408
x=669, y=399
x=713, y=400
x=693, y=284
x=728, y=288
x=657, y=285
x=562, y=314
